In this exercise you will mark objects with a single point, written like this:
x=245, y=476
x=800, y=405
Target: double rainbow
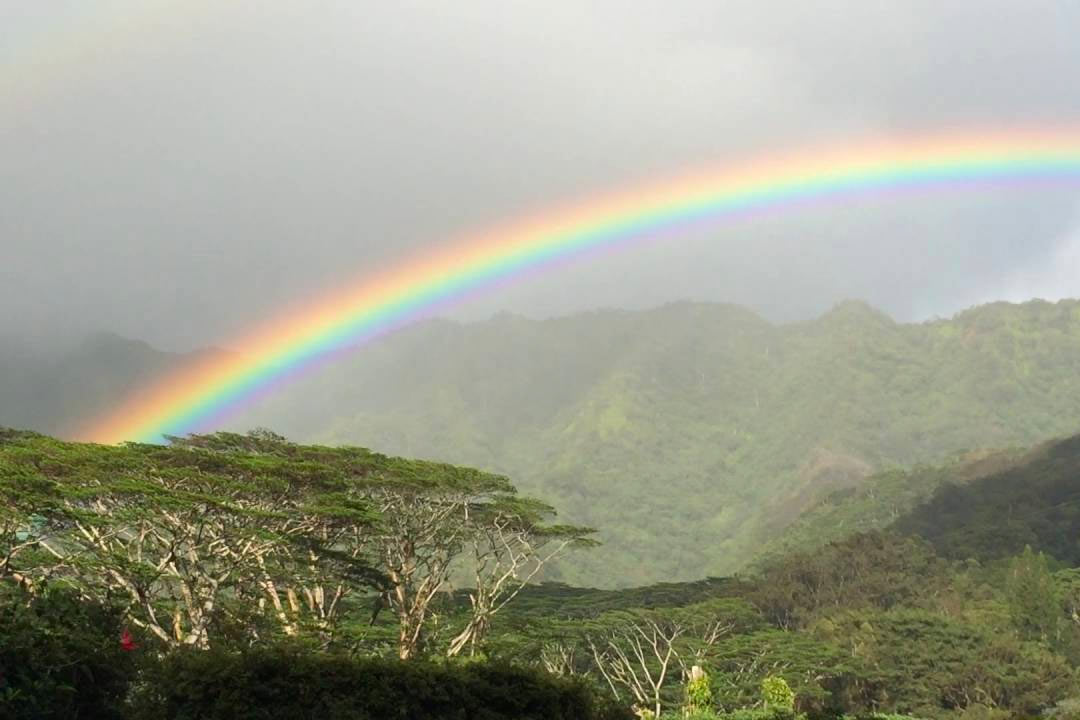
x=199, y=396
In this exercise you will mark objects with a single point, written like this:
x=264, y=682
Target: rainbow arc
x=198, y=397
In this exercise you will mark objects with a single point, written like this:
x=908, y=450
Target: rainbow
x=197, y=397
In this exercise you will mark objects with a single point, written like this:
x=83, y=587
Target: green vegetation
x=1036, y=502
x=881, y=499
x=228, y=535
x=229, y=574
x=60, y=656
x=246, y=576
x=288, y=683
x=987, y=504
x=742, y=424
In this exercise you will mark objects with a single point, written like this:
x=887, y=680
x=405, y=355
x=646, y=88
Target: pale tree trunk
x=417, y=549
x=506, y=559
x=559, y=658
x=638, y=658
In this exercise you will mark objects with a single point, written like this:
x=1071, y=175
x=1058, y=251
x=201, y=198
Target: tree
x=510, y=546
x=171, y=542
x=1035, y=604
x=872, y=569
x=59, y=656
x=307, y=501
x=776, y=693
x=820, y=673
x=188, y=534
x=424, y=510
x=257, y=536
x=921, y=662
x=638, y=655
x=321, y=561
x=698, y=692
x=28, y=510
x=560, y=658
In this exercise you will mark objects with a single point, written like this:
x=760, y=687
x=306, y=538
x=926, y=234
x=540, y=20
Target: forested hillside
x=959, y=594
x=984, y=505
x=884, y=498
x=1034, y=502
x=689, y=435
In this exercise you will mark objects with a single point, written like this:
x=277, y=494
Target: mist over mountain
x=689, y=434
x=55, y=390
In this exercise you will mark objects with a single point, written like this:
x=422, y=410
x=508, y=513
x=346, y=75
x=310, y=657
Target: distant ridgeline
x=690, y=435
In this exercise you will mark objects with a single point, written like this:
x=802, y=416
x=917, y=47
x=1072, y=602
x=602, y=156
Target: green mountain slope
x=982, y=505
x=1034, y=502
x=693, y=433
x=882, y=499
x=690, y=435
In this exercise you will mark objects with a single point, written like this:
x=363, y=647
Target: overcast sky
x=176, y=170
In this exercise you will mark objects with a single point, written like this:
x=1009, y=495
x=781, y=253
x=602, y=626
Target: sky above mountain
x=177, y=170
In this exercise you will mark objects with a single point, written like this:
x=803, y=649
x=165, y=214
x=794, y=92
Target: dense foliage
x=881, y=499
x=982, y=505
x=962, y=605
x=244, y=538
x=60, y=657
x=287, y=683
x=1035, y=502
x=140, y=581
x=874, y=623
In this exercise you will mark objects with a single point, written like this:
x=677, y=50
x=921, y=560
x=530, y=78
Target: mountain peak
x=850, y=312
x=110, y=343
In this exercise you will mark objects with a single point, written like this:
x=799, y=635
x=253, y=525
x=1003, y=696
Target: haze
x=174, y=171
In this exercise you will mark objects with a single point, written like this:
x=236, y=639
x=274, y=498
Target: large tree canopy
x=252, y=531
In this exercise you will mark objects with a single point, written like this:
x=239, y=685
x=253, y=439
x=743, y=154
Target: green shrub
x=776, y=694
x=289, y=683
x=60, y=658
x=699, y=697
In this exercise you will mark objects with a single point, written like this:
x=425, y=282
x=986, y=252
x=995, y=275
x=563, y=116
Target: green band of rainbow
x=198, y=396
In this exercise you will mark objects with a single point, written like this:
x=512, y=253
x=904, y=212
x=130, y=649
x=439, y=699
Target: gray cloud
x=178, y=173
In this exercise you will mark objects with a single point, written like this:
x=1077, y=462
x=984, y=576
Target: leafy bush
x=60, y=658
x=924, y=662
x=775, y=693
x=699, y=697
x=288, y=683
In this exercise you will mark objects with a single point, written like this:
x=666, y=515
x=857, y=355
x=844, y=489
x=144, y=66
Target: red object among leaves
x=126, y=641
